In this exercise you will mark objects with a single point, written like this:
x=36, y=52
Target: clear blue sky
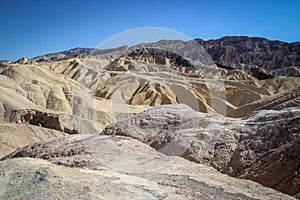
x=30, y=28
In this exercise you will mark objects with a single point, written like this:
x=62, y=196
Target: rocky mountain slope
x=227, y=52
x=171, y=119
x=260, y=52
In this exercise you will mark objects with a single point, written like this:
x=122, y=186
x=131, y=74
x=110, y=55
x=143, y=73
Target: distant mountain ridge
x=75, y=52
x=261, y=52
x=228, y=52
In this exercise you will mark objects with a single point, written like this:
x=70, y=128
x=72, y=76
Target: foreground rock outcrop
x=261, y=147
x=124, y=168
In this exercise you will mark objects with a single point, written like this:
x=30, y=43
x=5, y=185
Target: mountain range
x=215, y=119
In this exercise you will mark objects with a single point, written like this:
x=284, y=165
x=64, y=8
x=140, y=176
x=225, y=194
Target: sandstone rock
x=14, y=136
x=290, y=98
x=160, y=73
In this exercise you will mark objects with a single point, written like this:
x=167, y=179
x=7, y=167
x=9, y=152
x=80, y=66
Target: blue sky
x=35, y=27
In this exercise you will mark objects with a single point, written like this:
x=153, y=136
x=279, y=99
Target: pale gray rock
x=268, y=149
x=240, y=148
x=124, y=168
x=174, y=130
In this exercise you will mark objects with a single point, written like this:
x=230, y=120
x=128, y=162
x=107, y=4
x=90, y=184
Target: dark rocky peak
x=117, y=50
x=63, y=55
x=22, y=61
x=253, y=51
x=77, y=51
x=160, y=55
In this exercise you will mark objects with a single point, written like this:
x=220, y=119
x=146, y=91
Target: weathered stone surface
x=125, y=168
x=240, y=148
x=92, y=151
x=267, y=149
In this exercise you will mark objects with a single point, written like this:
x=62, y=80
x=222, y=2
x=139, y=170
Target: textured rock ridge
x=240, y=148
